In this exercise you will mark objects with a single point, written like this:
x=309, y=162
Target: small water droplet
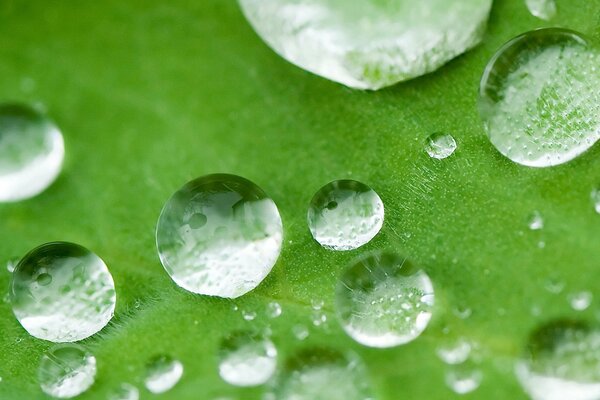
x=462, y=312
x=317, y=304
x=219, y=235
x=455, y=352
x=45, y=309
x=554, y=285
x=319, y=318
x=247, y=359
x=595, y=196
x=274, y=309
x=580, y=301
x=11, y=264
x=300, y=332
x=463, y=379
x=31, y=152
x=248, y=315
x=440, y=145
x=383, y=300
x=66, y=371
x=535, y=221
x=125, y=392
x=543, y=9
x=162, y=373
x=356, y=219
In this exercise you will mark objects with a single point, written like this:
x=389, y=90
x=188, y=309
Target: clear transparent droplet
x=368, y=44
x=561, y=361
x=595, y=196
x=344, y=215
x=62, y=292
x=543, y=9
x=539, y=97
x=323, y=374
x=274, y=309
x=383, y=300
x=462, y=312
x=66, y=371
x=319, y=318
x=317, y=304
x=440, y=145
x=535, y=221
x=300, y=332
x=162, y=373
x=219, y=235
x=581, y=300
x=125, y=392
x=247, y=359
x=11, y=264
x=31, y=152
x=248, y=315
x=554, y=285
x=454, y=352
x=463, y=379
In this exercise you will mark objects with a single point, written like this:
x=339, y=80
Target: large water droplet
x=162, y=373
x=125, y=392
x=235, y=246
x=383, y=300
x=323, y=374
x=539, y=97
x=62, y=292
x=66, y=371
x=247, y=359
x=543, y=9
x=345, y=214
x=368, y=44
x=562, y=361
x=440, y=145
x=31, y=152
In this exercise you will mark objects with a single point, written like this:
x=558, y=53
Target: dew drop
x=323, y=374
x=543, y=9
x=561, y=361
x=554, y=285
x=319, y=318
x=440, y=145
x=462, y=312
x=383, y=300
x=580, y=301
x=11, y=264
x=456, y=352
x=317, y=304
x=355, y=220
x=31, y=152
x=219, y=235
x=125, y=392
x=47, y=311
x=66, y=371
x=248, y=315
x=247, y=359
x=539, y=99
x=300, y=332
x=463, y=379
x=162, y=373
x=595, y=196
x=535, y=221
x=368, y=44
x=274, y=309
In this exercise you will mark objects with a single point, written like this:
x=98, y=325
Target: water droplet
x=300, y=332
x=162, y=373
x=356, y=219
x=462, y=312
x=463, y=379
x=125, y=392
x=539, y=97
x=247, y=359
x=368, y=44
x=595, y=196
x=319, y=318
x=383, y=300
x=274, y=309
x=543, y=9
x=66, y=371
x=229, y=250
x=323, y=374
x=317, y=304
x=31, y=152
x=45, y=309
x=562, y=361
x=456, y=352
x=248, y=315
x=535, y=221
x=554, y=285
x=440, y=145
x=580, y=301
x=11, y=264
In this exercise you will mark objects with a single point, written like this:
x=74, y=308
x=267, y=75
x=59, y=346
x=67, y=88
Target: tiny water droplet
x=535, y=221
x=11, y=264
x=31, y=152
x=162, y=373
x=383, y=300
x=580, y=301
x=125, y=392
x=219, y=235
x=45, y=309
x=455, y=352
x=462, y=312
x=247, y=359
x=354, y=221
x=595, y=196
x=319, y=318
x=463, y=379
x=554, y=285
x=300, y=332
x=317, y=304
x=543, y=9
x=248, y=315
x=440, y=145
x=274, y=309
x=66, y=371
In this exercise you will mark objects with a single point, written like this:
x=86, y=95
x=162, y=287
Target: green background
x=150, y=94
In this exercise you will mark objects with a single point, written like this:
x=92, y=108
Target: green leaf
x=151, y=94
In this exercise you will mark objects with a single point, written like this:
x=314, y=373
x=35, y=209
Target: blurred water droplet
x=248, y=315
x=66, y=371
x=581, y=300
x=539, y=99
x=454, y=352
x=440, y=145
x=125, y=392
x=463, y=379
x=462, y=312
x=300, y=332
x=31, y=152
x=317, y=304
x=231, y=247
x=162, y=373
x=383, y=300
x=247, y=359
x=48, y=311
x=319, y=318
x=535, y=221
x=274, y=309
x=595, y=196
x=543, y=9
x=344, y=215
x=554, y=285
